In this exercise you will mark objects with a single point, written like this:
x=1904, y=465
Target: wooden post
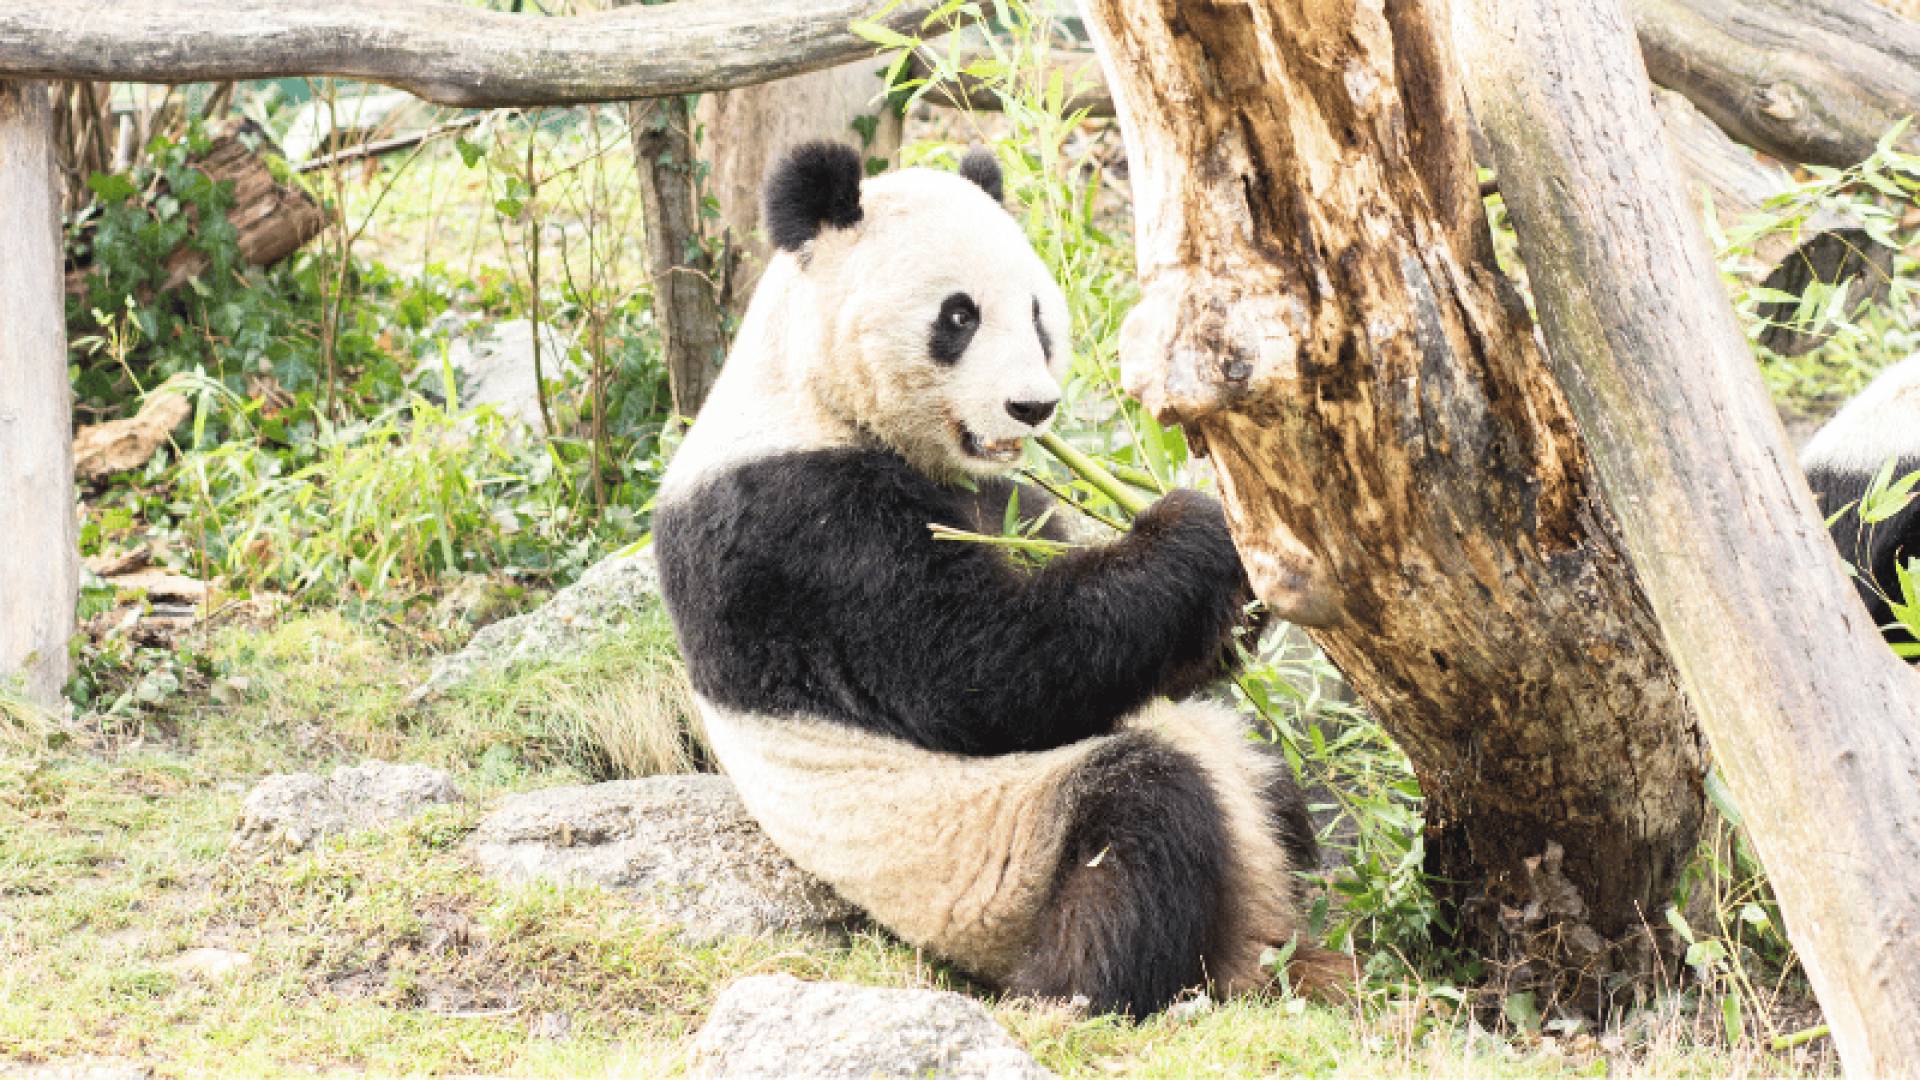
x=39, y=556
x=1814, y=722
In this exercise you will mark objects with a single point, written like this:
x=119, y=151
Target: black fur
x=1046, y=340
x=981, y=167
x=1137, y=906
x=809, y=584
x=1874, y=550
x=953, y=328
x=817, y=185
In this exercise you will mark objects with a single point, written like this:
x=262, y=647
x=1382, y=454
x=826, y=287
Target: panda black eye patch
x=1046, y=341
x=953, y=329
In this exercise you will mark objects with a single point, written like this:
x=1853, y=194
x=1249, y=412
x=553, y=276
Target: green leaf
x=1522, y=1010
x=882, y=36
x=112, y=188
x=471, y=153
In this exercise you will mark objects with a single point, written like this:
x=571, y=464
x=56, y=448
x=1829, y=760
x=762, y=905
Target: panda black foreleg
x=1136, y=905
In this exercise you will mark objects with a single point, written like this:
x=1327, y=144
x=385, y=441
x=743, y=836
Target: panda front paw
x=1192, y=527
x=1187, y=531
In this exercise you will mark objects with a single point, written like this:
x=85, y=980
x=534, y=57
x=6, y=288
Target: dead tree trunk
x=1815, y=724
x=747, y=130
x=40, y=572
x=686, y=292
x=1805, y=80
x=1322, y=310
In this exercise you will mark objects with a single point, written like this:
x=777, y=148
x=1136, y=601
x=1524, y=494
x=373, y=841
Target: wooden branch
x=40, y=572
x=1829, y=247
x=1815, y=81
x=445, y=52
x=1814, y=722
x=383, y=147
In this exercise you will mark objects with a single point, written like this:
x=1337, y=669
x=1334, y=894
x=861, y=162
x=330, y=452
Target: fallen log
x=445, y=52
x=1830, y=246
x=116, y=446
x=1815, y=81
x=273, y=220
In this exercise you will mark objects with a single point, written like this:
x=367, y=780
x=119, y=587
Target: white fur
x=834, y=347
x=1882, y=422
x=957, y=854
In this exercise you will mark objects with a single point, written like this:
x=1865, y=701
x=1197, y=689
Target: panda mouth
x=1001, y=451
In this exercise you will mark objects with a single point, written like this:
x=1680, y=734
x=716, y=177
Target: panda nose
x=1031, y=413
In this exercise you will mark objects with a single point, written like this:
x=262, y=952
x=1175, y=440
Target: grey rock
x=495, y=367
x=293, y=810
x=210, y=964
x=681, y=846
x=776, y=1026
x=609, y=599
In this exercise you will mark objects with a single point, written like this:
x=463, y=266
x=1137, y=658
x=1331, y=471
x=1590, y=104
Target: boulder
x=290, y=811
x=495, y=367
x=681, y=846
x=778, y=1027
x=618, y=592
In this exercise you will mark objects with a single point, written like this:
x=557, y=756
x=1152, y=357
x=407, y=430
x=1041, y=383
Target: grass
x=387, y=952
x=620, y=708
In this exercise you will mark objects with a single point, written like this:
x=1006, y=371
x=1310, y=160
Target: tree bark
x=449, y=53
x=40, y=573
x=1816, y=81
x=746, y=132
x=1321, y=310
x=686, y=288
x=1815, y=724
x=1829, y=247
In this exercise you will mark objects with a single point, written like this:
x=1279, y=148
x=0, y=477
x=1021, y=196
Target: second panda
x=981, y=755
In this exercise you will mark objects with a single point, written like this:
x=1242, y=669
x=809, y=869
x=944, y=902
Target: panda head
x=934, y=328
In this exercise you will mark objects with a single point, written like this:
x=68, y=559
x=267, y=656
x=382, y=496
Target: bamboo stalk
x=1096, y=475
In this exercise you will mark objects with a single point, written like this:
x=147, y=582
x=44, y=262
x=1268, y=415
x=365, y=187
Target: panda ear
x=981, y=167
x=816, y=185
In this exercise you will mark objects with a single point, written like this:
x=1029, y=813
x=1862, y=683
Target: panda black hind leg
x=1135, y=909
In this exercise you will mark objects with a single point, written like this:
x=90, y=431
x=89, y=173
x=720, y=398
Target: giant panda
x=1880, y=424
x=981, y=755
